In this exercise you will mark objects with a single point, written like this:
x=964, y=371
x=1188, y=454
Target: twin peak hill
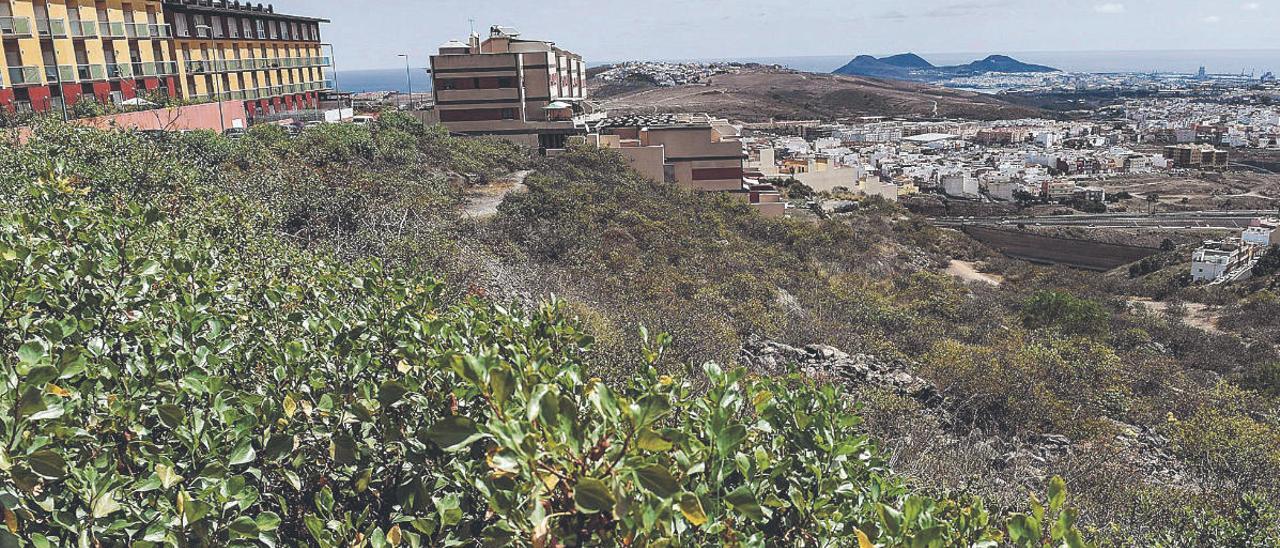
x=912, y=67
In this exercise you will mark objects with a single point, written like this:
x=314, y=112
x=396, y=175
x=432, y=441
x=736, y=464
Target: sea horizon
x=1251, y=61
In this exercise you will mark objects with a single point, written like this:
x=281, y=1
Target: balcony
x=166, y=68
x=52, y=28
x=112, y=29
x=196, y=67
x=24, y=76
x=86, y=73
x=15, y=26
x=116, y=71
x=59, y=74
x=162, y=30
x=202, y=32
x=137, y=30
x=84, y=29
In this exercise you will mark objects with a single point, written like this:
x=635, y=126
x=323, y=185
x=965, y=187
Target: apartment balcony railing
x=196, y=67
x=137, y=30
x=24, y=76
x=327, y=84
x=59, y=73
x=84, y=29
x=202, y=32
x=160, y=30
x=119, y=70
x=52, y=28
x=15, y=26
x=113, y=29
x=167, y=68
x=146, y=69
x=91, y=72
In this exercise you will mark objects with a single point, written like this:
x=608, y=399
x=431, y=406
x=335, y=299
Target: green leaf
x=592, y=496
x=105, y=505
x=40, y=376
x=342, y=448
x=47, y=464
x=454, y=433
x=649, y=440
x=31, y=353
x=932, y=537
x=278, y=447
x=890, y=518
x=391, y=392
x=1057, y=493
x=729, y=438
x=744, y=500
x=501, y=385
x=244, y=526
x=168, y=477
x=268, y=521
x=242, y=454
x=691, y=507
x=149, y=268
x=658, y=480
x=170, y=415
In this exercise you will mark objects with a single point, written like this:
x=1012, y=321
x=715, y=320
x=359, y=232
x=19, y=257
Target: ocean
x=1256, y=62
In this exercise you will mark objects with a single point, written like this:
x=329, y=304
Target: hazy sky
x=370, y=33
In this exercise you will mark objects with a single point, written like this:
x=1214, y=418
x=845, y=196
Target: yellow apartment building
x=230, y=50
x=58, y=52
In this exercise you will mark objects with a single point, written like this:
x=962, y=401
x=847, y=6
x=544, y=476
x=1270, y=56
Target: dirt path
x=1200, y=316
x=968, y=272
x=483, y=201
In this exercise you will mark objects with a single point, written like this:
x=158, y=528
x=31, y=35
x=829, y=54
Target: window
x=508, y=114
x=505, y=83
x=262, y=29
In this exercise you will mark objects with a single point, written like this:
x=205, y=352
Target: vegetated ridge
x=765, y=94
x=281, y=341
x=909, y=66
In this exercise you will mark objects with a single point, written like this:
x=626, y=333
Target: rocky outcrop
x=771, y=357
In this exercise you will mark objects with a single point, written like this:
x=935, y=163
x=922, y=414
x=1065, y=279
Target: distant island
x=912, y=67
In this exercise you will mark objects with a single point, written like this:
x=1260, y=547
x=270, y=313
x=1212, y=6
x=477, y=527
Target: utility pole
x=408, y=75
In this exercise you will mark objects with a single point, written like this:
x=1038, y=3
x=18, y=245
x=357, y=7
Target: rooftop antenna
x=473, y=25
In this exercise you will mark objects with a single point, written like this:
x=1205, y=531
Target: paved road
x=1226, y=220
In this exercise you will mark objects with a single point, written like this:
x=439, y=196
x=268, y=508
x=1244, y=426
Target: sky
x=369, y=34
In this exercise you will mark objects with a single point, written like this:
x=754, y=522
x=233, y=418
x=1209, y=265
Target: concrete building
x=1217, y=258
x=1196, y=156
x=960, y=185
x=59, y=52
x=1262, y=232
x=694, y=151
x=528, y=91
x=237, y=51
x=697, y=152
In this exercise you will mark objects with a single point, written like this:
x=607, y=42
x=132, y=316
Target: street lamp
x=408, y=75
x=222, y=119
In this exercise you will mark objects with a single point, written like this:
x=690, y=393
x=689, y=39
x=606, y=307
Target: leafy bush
x=1064, y=311
x=176, y=380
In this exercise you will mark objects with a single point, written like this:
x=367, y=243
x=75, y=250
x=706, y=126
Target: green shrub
x=1065, y=312
x=189, y=381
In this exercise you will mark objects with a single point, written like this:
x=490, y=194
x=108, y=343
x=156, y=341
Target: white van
x=363, y=120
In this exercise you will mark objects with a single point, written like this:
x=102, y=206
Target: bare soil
x=762, y=95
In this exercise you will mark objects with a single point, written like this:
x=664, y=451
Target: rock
x=772, y=357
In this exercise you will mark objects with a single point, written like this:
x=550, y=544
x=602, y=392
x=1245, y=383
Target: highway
x=1224, y=220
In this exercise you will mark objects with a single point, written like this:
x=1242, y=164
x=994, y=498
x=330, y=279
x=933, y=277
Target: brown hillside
x=767, y=94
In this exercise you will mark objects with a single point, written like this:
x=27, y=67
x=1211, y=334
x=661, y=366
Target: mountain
x=761, y=95
x=908, y=60
x=909, y=66
x=1004, y=63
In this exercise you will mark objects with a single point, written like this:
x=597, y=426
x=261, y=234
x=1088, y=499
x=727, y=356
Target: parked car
x=364, y=120
x=235, y=132
x=311, y=124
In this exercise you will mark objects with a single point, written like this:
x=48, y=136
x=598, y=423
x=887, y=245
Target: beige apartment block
x=528, y=91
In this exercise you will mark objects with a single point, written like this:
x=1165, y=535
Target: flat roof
x=931, y=137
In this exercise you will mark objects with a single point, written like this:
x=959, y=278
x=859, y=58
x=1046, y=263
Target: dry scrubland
x=297, y=341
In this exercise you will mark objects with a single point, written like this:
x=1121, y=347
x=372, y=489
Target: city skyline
x=667, y=29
